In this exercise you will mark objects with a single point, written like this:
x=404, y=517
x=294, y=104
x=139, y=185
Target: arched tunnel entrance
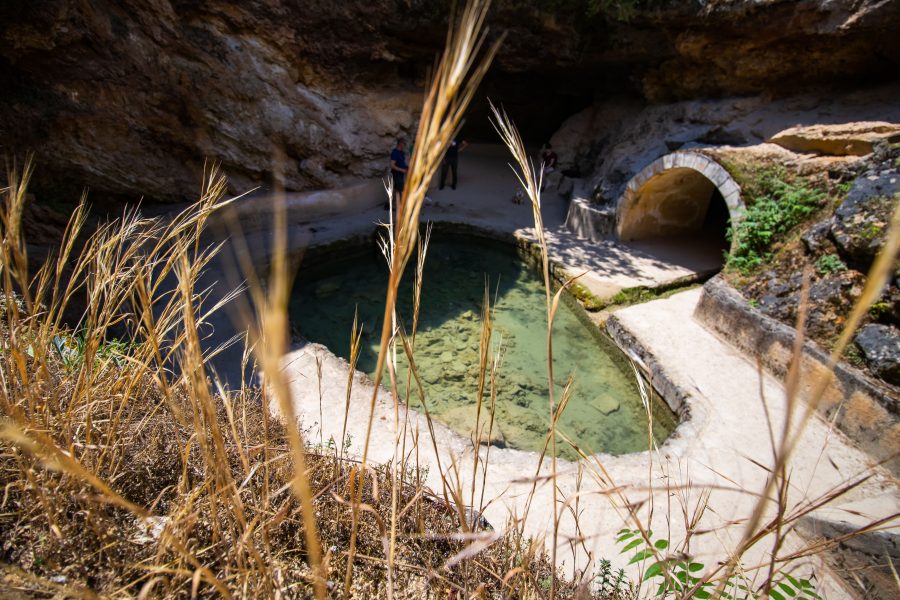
x=680, y=204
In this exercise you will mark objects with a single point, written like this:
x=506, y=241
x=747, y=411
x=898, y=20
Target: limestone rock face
x=614, y=139
x=856, y=139
x=880, y=345
x=130, y=97
x=776, y=45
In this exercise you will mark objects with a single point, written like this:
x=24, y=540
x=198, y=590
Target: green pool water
x=605, y=413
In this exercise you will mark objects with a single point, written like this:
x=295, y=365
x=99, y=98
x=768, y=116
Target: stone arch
x=671, y=196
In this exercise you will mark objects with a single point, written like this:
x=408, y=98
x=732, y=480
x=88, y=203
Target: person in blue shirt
x=399, y=166
x=451, y=161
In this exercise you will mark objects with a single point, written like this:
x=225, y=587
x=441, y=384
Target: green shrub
x=880, y=309
x=610, y=582
x=780, y=206
x=829, y=264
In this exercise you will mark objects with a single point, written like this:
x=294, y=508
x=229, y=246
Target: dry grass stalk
x=126, y=473
x=455, y=80
x=531, y=182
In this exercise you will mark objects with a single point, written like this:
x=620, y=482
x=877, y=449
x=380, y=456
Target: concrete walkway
x=724, y=447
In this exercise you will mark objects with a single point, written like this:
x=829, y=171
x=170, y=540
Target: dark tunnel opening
x=680, y=214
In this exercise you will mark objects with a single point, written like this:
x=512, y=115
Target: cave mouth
x=681, y=206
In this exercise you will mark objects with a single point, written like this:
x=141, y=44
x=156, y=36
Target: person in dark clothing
x=451, y=161
x=549, y=159
x=549, y=162
x=399, y=166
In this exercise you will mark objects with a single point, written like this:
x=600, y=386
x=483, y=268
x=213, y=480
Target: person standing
x=399, y=167
x=549, y=159
x=549, y=162
x=451, y=161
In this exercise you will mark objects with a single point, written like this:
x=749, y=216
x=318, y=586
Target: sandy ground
x=723, y=446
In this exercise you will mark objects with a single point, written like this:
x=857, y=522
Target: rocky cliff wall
x=130, y=97
x=614, y=139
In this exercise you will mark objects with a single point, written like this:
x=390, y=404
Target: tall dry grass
x=129, y=471
x=454, y=81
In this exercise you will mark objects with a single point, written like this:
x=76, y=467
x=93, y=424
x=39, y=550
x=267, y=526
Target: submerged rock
x=463, y=419
x=880, y=346
x=327, y=288
x=606, y=405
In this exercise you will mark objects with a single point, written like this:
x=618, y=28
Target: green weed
x=73, y=348
x=779, y=206
x=880, y=309
x=675, y=573
x=829, y=264
x=609, y=582
x=588, y=300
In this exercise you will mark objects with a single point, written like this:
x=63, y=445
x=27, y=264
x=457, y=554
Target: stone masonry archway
x=672, y=196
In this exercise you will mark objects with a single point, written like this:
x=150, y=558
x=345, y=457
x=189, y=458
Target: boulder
x=831, y=298
x=861, y=221
x=880, y=347
x=566, y=187
x=848, y=139
x=816, y=237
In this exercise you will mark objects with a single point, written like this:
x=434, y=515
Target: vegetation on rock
x=830, y=229
x=776, y=204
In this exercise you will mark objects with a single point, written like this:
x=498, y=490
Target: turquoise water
x=605, y=413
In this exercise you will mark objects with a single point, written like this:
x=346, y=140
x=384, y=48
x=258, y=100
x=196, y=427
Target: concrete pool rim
x=683, y=405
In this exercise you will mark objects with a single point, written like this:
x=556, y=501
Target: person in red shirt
x=548, y=162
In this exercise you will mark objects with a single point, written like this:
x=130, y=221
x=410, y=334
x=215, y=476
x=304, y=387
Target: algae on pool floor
x=605, y=413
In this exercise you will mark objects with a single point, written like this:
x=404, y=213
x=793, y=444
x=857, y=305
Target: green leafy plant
x=872, y=231
x=779, y=207
x=675, y=573
x=73, y=348
x=829, y=264
x=843, y=188
x=610, y=582
x=880, y=309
